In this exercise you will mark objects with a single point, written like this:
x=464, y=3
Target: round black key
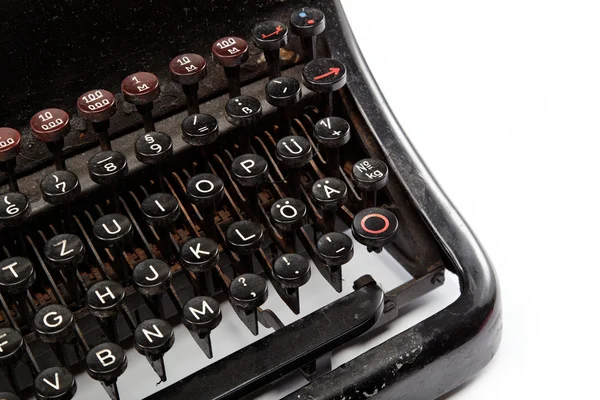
x=201, y=314
x=54, y=323
x=288, y=214
x=335, y=248
x=294, y=151
x=60, y=187
x=153, y=148
x=160, y=209
x=140, y=88
x=104, y=298
x=370, y=174
x=199, y=129
x=307, y=22
x=291, y=270
x=106, y=362
x=153, y=337
x=64, y=250
x=151, y=276
x=112, y=229
x=332, y=132
x=108, y=167
x=205, y=190
x=8, y=396
x=55, y=383
x=329, y=193
x=375, y=227
x=14, y=209
x=16, y=275
x=248, y=291
x=249, y=170
x=270, y=35
x=199, y=254
x=12, y=345
x=188, y=68
x=243, y=111
x=244, y=237
x=230, y=51
x=324, y=75
x=283, y=91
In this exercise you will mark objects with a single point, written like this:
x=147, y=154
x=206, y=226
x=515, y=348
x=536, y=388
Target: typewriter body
x=163, y=161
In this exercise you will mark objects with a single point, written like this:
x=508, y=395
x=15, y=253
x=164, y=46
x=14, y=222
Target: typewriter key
x=370, y=175
x=161, y=210
x=201, y=315
x=187, y=70
x=308, y=23
x=250, y=171
x=284, y=92
x=230, y=52
x=153, y=338
x=60, y=187
x=154, y=148
x=16, y=277
x=51, y=126
x=294, y=152
x=244, y=112
x=97, y=106
x=109, y=168
x=270, y=36
x=206, y=191
x=14, y=209
x=332, y=133
x=104, y=299
x=141, y=89
x=151, y=278
x=325, y=76
x=114, y=231
x=334, y=249
x=199, y=256
x=329, y=194
x=375, y=228
x=244, y=238
x=291, y=270
x=200, y=131
x=66, y=252
x=10, y=146
x=8, y=396
x=55, y=325
x=12, y=347
x=55, y=383
x=288, y=215
x=105, y=363
x=247, y=292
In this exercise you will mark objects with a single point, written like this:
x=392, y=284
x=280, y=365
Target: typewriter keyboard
x=193, y=222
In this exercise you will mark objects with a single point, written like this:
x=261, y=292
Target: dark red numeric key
x=97, y=106
x=141, y=89
x=334, y=249
x=188, y=69
x=375, y=228
x=200, y=131
x=206, y=191
x=247, y=292
x=329, y=194
x=201, y=315
x=284, y=92
x=151, y=278
x=55, y=383
x=370, y=175
x=12, y=347
x=308, y=23
x=105, y=363
x=325, y=76
x=332, y=133
x=153, y=338
x=16, y=277
x=294, y=152
x=10, y=146
x=230, y=52
x=55, y=325
x=270, y=36
x=51, y=126
x=244, y=112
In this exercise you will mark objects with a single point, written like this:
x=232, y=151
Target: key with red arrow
x=270, y=37
x=325, y=76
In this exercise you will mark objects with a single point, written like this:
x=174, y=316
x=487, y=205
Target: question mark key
x=248, y=291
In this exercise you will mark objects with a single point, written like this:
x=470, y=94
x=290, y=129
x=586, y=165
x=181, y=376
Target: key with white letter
x=201, y=315
x=153, y=338
x=105, y=363
x=55, y=383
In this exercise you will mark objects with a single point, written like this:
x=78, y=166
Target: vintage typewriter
x=170, y=168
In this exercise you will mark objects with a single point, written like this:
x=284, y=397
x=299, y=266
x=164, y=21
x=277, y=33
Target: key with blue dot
x=104, y=300
x=153, y=338
x=201, y=315
x=375, y=228
x=55, y=383
x=270, y=36
x=244, y=112
x=152, y=278
x=308, y=23
x=284, y=92
x=105, y=363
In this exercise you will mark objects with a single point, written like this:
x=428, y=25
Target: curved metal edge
x=450, y=347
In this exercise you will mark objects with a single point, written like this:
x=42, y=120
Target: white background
x=502, y=101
